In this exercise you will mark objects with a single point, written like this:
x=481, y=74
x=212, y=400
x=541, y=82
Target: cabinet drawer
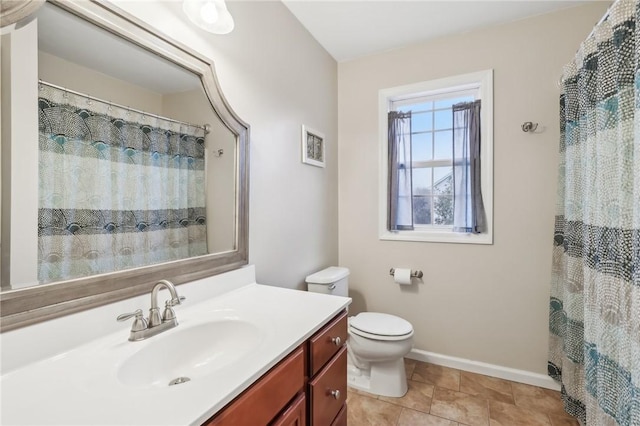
x=267, y=397
x=327, y=342
x=295, y=415
x=328, y=390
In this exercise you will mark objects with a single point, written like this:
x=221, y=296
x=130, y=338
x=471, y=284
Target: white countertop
x=81, y=386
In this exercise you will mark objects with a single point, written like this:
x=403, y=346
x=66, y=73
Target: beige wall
x=276, y=77
x=484, y=303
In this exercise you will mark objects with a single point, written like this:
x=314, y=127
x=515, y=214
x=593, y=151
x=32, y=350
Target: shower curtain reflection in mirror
x=118, y=189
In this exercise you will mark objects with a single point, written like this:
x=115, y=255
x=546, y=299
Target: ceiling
x=349, y=29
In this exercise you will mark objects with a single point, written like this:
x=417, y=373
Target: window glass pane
x=440, y=173
x=422, y=181
x=443, y=119
x=421, y=122
x=443, y=180
x=421, y=146
x=403, y=108
x=404, y=210
x=449, y=102
x=422, y=210
x=443, y=144
x=442, y=210
x=422, y=106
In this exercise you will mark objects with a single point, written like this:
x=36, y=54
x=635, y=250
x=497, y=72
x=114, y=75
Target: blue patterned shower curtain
x=595, y=289
x=118, y=189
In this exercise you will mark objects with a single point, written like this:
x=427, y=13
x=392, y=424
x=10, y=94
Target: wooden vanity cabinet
x=295, y=414
x=307, y=388
x=327, y=387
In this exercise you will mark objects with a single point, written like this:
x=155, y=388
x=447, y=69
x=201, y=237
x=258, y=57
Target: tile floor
x=441, y=396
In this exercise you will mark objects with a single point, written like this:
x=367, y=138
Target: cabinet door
x=295, y=415
x=327, y=342
x=341, y=418
x=267, y=397
x=328, y=390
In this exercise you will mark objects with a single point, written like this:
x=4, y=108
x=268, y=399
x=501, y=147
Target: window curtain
x=117, y=189
x=400, y=190
x=468, y=209
x=594, y=318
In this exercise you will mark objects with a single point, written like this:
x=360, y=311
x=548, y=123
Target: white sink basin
x=191, y=353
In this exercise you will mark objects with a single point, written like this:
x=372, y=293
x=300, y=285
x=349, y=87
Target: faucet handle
x=169, y=314
x=139, y=323
x=126, y=316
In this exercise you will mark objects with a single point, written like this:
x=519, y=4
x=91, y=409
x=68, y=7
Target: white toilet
x=377, y=342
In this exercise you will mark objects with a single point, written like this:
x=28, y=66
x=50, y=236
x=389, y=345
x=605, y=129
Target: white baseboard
x=520, y=376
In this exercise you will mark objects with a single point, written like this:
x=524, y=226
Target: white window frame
x=483, y=81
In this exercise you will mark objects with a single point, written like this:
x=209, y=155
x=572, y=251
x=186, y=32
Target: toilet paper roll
x=402, y=276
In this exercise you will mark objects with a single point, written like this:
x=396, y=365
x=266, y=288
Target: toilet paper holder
x=414, y=273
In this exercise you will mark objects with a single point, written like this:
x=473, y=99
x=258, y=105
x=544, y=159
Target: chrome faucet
x=168, y=315
x=142, y=328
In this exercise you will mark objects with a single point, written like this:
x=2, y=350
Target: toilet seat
x=379, y=326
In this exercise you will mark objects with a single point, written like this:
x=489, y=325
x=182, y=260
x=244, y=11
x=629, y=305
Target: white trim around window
x=483, y=81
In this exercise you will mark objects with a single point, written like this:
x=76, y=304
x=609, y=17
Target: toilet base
x=382, y=378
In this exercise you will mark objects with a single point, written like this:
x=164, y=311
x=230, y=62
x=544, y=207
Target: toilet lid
x=381, y=324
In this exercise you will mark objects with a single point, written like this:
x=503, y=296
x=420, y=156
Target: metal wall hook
x=529, y=126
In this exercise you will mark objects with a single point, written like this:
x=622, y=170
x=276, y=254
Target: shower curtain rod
x=205, y=127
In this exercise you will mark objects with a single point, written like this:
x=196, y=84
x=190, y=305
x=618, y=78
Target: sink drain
x=179, y=381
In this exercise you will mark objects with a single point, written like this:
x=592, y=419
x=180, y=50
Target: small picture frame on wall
x=312, y=147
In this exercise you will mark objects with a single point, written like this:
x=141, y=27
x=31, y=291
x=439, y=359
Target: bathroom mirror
x=93, y=227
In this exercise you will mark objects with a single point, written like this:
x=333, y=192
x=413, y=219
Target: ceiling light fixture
x=210, y=15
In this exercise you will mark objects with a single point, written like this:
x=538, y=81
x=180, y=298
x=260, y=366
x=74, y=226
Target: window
x=427, y=109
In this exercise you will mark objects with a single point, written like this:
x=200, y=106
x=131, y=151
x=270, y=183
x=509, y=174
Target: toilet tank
x=333, y=280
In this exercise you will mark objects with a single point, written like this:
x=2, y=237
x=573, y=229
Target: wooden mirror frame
x=22, y=307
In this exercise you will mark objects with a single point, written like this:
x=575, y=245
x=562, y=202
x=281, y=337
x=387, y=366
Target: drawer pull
x=335, y=394
x=336, y=341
